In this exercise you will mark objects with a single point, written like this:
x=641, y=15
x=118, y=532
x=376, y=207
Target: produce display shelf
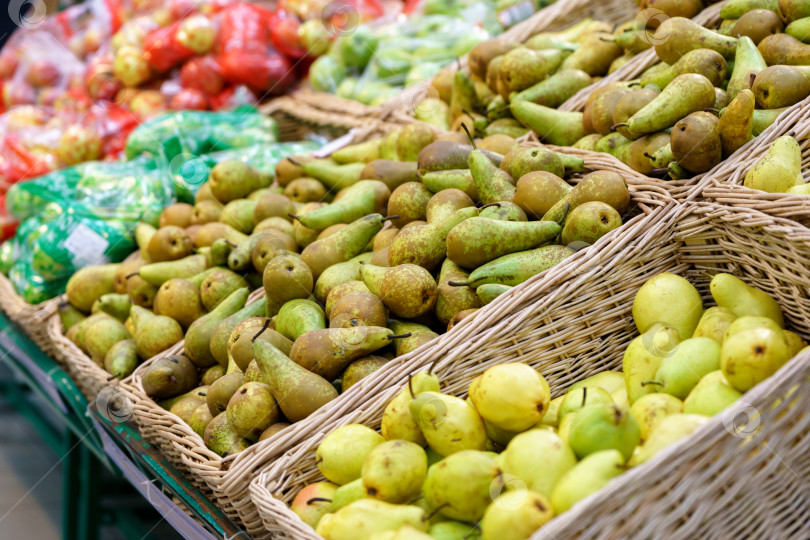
x=85, y=439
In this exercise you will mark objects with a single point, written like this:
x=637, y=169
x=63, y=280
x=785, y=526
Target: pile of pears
x=779, y=170
x=712, y=92
x=362, y=257
x=503, y=462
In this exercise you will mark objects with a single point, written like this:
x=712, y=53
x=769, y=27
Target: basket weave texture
x=576, y=320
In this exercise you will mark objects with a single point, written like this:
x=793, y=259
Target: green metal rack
x=92, y=437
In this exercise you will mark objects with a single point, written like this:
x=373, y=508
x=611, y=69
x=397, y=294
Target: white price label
x=515, y=14
x=86, y=246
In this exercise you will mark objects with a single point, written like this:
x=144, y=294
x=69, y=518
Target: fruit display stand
x=574, y=321
x=338, y=114
x=100, y=439
x=725, y=184
x=228, y=479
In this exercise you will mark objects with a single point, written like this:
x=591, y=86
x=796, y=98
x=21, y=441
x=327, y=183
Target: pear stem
x=434, y=512
x=64, y=304
x=266, y=325
x=389, y=218
x=400, y=336
x=660, y=171
x=433, y=365
x=202, y=394
x=651, y=383
x=172, y=378
x=132, y=274
x=111, y=377
x=614, y=127
x=291, y=160
x=293, y=216
x=495, y=204
x=584, y=395
x=467, y=131
x=712, y=110
x=318, y=499
x=410, y=387
x=459, y=283
x=234, y=245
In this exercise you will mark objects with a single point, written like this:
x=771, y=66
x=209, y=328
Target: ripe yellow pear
x=742, y=299
x=751, y=356
x=341, y=453
x=520, y=459
x=776, y=172
x=515, y=515
x=643, y=357
x=512, y=396
x=586, y=477
x=669, y=299
x=650, y=409
x=670, y=429
x=714, y=323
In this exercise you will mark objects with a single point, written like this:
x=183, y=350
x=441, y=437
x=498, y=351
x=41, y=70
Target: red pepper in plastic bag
x=202, y=73
x=267, y=72
x=163, y=51
x=285, y=36
x=243, y=28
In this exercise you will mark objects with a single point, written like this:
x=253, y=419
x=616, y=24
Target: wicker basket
x=725, y=184
x=228, y=480
x=576, y=320
x=29, y=317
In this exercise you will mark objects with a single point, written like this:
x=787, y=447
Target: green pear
x=299, y=392
x=121, y=359
x=313, y=502
x=285, y=278
x=222, y=390
x=363, y=519
x=676, y=36
x=299, y=316
x=504, y=211
x=601, y=427
x=670, y=299
x=556, y=89
x=347, y=494
x=734, y=294
x=751, y=356
x=686, y=94
x=485, y=293
x=252, y=409
x=326, y=352
x=564, y=426
x=491, y=183
x=199, y=419
x=342, y=452
x=459, y=486
x=169, y=376
x=419, y=335
x=588, y=476
x=333, y=175
x=221, y=439
x=160, y=272
x=154, y=333
x=669, y=430
x=218, y=285
x=515, y=268
x=461, y=179
x=454, y=530
x=520, y=68
x=451, y=300
x=688, y=363
x=734, y=9
x=198, y=336
x=643, y=357
x=589, y=222
x=562, y=128
x=520, y=459
x=448, y=423
x=394, y=471
x=89, y=284
x=649, y=409
x=365, y=151
x=550, y=418
x=511, y=396
x=407, y=290
x=710, y=398
x=232, y=179
x=342, y=246
x=220, y=342
x=748, y=62
x=427, y=246
x=714, y=322
x=777, y=171
x=605, y=186
x=364, y=197
x=706, y=62
x=180, y=300
x=611, y=381
x=479, y=240
x=338, y=274
x=117, y=305
x=515, y=515
x=578, y=398
x=102, y=335
x=397, y=422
